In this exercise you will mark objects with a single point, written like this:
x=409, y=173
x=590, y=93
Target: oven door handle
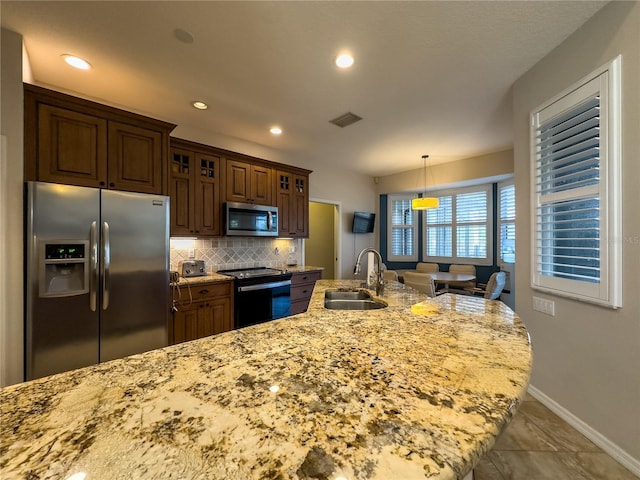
x=264, y=286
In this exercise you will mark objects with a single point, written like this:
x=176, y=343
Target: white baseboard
x=613, y=450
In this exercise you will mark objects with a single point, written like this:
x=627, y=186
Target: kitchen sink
x=351, y=300
x=347, y=295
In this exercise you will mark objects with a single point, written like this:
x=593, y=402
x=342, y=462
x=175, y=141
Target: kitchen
x=567, y=382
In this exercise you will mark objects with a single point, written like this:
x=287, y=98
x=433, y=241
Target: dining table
x=448, y=277
x=442, y=277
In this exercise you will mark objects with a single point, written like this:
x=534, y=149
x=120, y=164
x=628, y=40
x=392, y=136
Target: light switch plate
x=545, y=306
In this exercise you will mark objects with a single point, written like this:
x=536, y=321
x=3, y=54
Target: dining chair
x=493, y=288
x=423, y=282
x=422, y=267
x=470, y=269
x=390, y=275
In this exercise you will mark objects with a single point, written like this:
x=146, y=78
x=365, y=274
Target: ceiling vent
x=345, y=120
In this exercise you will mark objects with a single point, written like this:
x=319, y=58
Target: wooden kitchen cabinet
x=302, y=284
x=292, y=191
x=74, y=141
x=195, y=189
x=210, y=312
x=248, y=182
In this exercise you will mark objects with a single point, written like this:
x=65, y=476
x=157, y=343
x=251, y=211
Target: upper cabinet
x=248, y=182
x=194, y=187
x=292, y=189
x=78, y=142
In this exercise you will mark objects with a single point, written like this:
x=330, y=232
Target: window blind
x=576, y=178
x=402, y=236
x=459, y=229
x=568, y=174
x=507, y=221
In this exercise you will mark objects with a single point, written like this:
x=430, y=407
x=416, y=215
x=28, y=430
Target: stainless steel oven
x=261, y=294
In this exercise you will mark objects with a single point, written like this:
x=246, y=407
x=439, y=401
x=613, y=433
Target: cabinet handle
x=203, y=291
x=305, y=291
x=112, y=184
x=305, y=277
x=102, y=184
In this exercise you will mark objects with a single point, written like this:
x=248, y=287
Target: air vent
x=345, y=120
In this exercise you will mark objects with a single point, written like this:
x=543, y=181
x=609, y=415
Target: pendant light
x=424, y=202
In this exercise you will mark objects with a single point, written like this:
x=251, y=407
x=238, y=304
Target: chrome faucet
x=379, y=280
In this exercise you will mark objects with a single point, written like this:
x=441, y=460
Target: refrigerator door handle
x=93, y=267
x=106, y=263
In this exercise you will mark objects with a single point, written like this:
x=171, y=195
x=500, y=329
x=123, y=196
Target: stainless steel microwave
x=249, y=220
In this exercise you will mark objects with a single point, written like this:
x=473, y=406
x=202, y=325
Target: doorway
x=320, y=249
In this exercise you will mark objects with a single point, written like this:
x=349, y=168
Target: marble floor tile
x=523, y=434
x=539, y=445
x=565, y=437
x=486, y=470
x=602, y=466
x=538, y=465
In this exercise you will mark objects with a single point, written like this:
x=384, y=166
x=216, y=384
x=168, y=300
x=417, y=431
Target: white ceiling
x=429, y=77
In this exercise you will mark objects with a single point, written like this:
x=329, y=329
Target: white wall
x=587, y=358
x=11, y=199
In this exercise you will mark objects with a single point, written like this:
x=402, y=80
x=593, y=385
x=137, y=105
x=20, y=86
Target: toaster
x=193, y=268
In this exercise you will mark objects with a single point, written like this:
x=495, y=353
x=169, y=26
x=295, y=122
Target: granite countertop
x=208, y=278
x=301, y=268
x=418, y=390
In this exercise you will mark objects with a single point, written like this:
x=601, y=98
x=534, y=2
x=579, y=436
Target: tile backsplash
x=240, y=252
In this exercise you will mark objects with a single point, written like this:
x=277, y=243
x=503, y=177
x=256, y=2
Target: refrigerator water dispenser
x=64, y=268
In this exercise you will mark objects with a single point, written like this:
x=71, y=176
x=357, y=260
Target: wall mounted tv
x=363, y=222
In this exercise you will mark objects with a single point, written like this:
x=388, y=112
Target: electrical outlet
x=276, y=251
x=292, y=249
x=545, y=306
x=192, y=253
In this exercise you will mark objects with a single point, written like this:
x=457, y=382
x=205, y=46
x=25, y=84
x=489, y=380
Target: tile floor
x=538, y=445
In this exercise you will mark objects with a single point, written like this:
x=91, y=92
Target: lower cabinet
x=208, y=313
x=302, y=284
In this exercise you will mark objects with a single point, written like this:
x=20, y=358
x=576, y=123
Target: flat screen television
x=363, y=222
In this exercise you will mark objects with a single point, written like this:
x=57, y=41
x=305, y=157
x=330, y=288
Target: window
x=402, y=231
x=507, y=222
x=459, y=230
x=576, y=183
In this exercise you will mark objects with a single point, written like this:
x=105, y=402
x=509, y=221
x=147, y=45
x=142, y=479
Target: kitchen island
x=419, y=389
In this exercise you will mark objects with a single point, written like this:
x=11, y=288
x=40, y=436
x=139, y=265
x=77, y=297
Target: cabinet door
x=261, y=185
x=71, y=147
x=237, y=185
x=135, y=159
x=181, y=192
x=207, y=197
x=293, y=203
x=215, y=317
x=284, y=194
x=185, y=322
x=300, y=206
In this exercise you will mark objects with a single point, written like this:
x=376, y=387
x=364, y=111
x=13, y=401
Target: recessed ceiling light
x=77, y=62
x=200, y=105
x=344, y=60
x=276, y=130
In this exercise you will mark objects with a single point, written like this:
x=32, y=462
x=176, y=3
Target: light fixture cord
x=424, y=160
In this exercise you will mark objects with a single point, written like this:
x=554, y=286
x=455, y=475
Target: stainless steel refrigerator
x=97, y=276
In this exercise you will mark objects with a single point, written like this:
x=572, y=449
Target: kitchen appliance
x=249, y=220
x=97, y=276
x=193, y=268
x=261, y=294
